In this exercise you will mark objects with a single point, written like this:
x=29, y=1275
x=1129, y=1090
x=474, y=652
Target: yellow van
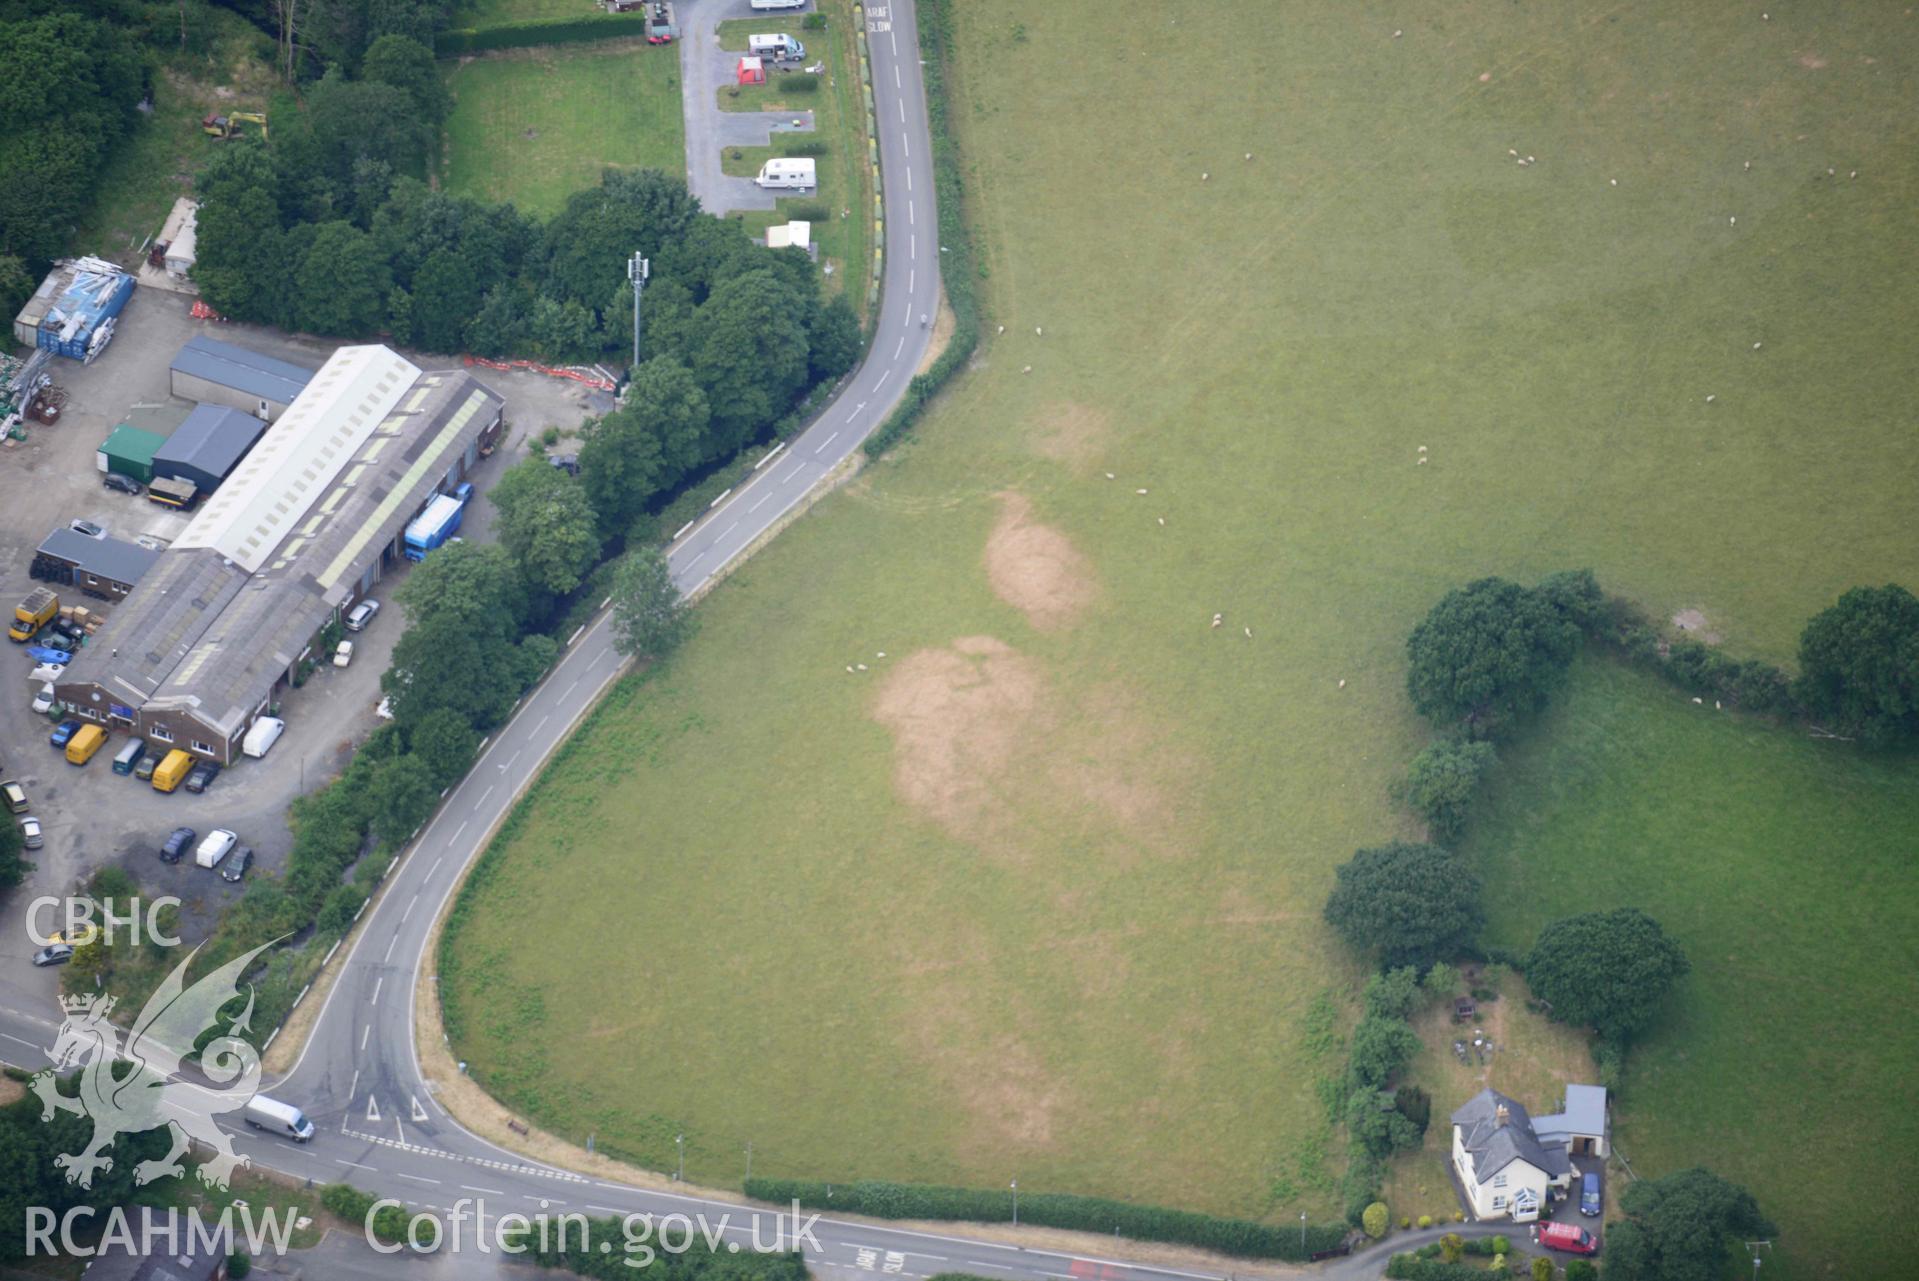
x=85, y=742
x=171, y=771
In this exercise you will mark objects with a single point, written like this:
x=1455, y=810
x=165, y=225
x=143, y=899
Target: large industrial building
x=219, y=373
x=300, y=530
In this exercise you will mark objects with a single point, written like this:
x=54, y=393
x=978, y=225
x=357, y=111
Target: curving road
x=359, y=1078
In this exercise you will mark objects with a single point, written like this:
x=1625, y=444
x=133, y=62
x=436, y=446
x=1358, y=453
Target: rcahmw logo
x=135, y=1088
x=148, y=1231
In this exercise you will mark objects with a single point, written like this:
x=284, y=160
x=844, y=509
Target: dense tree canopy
x=1859, y=664
x=1444, y=779
x=653, y=440
x=1487, y=652
x=1606, y=970
x=1683, y=1227
x=649, y=618
x=546, y=525
x=1410, y=904
x=460, y=651
x=70, y=84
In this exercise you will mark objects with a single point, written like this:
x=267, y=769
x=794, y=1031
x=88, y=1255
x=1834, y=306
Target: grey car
x=53, y=954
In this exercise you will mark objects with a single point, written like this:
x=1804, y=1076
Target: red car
x=1569, y=1237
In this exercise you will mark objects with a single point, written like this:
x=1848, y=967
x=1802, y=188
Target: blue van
x=1589, y=1194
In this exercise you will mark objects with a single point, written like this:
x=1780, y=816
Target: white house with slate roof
x=1509, y=1164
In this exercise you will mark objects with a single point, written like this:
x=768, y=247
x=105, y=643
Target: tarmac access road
x=359, y=1078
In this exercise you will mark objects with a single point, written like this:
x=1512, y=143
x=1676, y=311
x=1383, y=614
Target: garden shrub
x=805, y=147
x=1542, y=1268
x=799, y=82
x=1375, y=1220
x=346, y=1201
x=1581, y=1270
x=1425, y=1220
x=814, y=22
x=808, y=211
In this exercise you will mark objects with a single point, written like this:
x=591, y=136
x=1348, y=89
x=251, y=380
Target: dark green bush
x=536, y=31
x=808, y=211
x=1488, y=1245
x=346, y=1201
x=799, y=82
x=1054, y=1210
x=1408, y=1267
x=814, y=22
x=805, y=147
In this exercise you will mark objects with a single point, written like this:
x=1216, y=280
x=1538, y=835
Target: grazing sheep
x=881, y=654
x=1109, y=475
x=1203, y=177
x=1398, y=34
x=1002, y=328
x=1755, y=346
x=1218, y=619
x=1037, y=331
x=1615, y=182
x=1732, y=220
x=1700, y=701
x=1710, y=399
x=1422, y=460
x=1249, y=155
x=849, y=667
x=862, y=666
x=1422, y=449
x=1162, y=520
x=1749, y=164
x=1342, y=684
x=1853, y=174
x=1139, y=491
x=1027, y=370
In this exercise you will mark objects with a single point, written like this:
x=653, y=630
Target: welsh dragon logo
x=138, y=1087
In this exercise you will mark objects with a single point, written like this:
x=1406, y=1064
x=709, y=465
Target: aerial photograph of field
x=987, y=641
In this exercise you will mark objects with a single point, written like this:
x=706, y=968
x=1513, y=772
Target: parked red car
x=1569, y=1237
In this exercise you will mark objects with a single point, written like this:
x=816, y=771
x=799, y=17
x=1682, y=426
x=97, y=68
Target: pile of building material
x=74, y=310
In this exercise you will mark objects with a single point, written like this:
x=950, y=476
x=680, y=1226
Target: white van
x=264, y=733
x=777, y=6
x=278, y=1118
x=795, y=173
x=776, y=48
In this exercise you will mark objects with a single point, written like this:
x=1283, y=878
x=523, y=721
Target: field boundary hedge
x=884, y=1200
x=957, y=270
x=536, y=31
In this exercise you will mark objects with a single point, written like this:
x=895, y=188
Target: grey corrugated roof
x=1585, y=1114
x=105, y=557
x=275, y=380
x=147, y=634
x=237, y=660
x=1494, y=1146
x=213, y=438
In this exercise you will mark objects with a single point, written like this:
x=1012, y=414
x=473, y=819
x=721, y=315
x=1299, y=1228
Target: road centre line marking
x=355, y=1164
x=902, y=347
x=909, y=182
x=543, y=720
x=756, y=506
x=896, y=75
x=462, y=826
x=436, y=862
x=20, y=1041
x=417, y=1178
x=376, y=991
x=391, y=943
x=729, y=529
x=824, y=443
x=467, y=1187
x=409, y=910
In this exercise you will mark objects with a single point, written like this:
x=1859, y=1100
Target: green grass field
x=1784, y=866
x=1048, y=907
x=536, y=125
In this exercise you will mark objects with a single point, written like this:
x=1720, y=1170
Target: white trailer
x=778, y=6
x=778, y=47
x=789, y=173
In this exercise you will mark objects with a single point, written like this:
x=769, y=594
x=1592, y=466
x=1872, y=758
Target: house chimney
x=1501, y=1115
